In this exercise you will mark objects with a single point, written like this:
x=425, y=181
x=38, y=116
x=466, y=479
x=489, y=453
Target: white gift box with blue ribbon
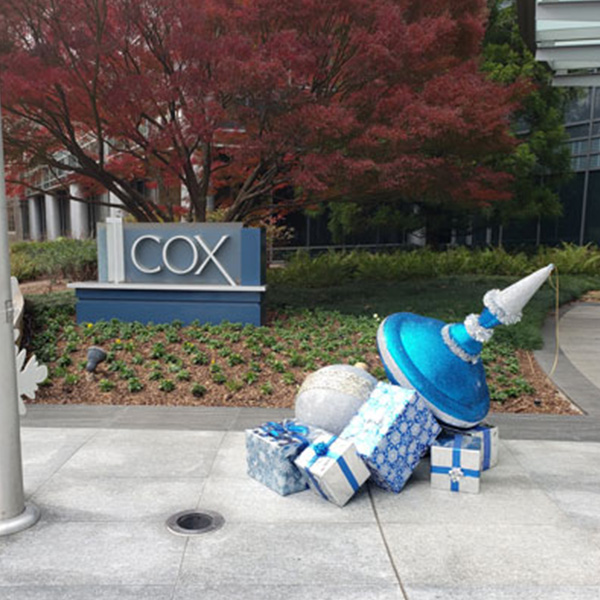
x=392, y=431
x=455, y=463
x=490, y=442
x=270, y=452
x=333, y=468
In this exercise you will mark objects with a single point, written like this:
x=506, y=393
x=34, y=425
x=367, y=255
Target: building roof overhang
x=566, y=35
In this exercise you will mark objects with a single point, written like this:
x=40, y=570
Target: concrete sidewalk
x=107, y=478
x=105, y=494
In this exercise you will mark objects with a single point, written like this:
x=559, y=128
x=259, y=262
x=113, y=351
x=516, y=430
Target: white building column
x=116, y=213
x=35, y=228
x=78, y=213
x=52, y=217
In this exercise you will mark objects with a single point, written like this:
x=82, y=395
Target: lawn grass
x=262, y=366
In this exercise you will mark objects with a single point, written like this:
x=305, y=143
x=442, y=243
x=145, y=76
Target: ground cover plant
x=306, y=328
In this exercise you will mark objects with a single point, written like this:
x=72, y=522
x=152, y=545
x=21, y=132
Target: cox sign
x=169, y=250
x=205, y=254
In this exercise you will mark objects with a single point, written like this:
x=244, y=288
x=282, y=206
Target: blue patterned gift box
x=392, y=431
x=490, y=442
x=455, y=463
x=270, y=452
x=334, y=469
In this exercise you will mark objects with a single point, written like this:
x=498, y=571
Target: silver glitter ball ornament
x=331, y=396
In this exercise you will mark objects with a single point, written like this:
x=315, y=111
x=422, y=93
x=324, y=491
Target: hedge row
x=337, y=268
x=75, y=260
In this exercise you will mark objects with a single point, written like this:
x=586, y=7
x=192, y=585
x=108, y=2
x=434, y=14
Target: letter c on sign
x=134, y=259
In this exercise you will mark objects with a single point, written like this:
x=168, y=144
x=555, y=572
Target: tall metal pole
x=14, y=514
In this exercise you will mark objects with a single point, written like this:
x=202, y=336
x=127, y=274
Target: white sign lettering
x=210, y=256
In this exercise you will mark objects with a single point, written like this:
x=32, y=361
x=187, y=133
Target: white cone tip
x=508, y=303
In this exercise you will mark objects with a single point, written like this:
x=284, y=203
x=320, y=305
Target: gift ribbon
x=288, y=430
x=487, y=445
x=486, y=442
x=456, y=447
x=321, y=450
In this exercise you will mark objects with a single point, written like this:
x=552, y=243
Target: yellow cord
x=556, y=287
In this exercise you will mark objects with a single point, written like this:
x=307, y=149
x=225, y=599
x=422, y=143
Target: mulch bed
x=546, y=399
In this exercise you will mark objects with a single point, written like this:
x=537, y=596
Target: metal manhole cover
x=195, y=522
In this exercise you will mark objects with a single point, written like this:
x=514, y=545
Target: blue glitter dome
x=442, y=361
x=414, y=355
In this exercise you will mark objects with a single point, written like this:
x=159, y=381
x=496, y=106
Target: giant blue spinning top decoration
x=442, y=361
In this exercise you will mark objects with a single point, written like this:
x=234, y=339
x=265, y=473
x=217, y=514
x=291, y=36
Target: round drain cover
x=194, y=522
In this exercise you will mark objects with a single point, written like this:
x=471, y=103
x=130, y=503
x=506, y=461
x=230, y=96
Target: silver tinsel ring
x=477, y=331
x=455, y=348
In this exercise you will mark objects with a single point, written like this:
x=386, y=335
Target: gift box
x=455, y=463
x=333, y=468
x=270, y=452
x=392, y=431
x=490, y=442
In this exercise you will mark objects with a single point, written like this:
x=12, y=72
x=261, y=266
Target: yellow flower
x=118, y=341
x=89, y=325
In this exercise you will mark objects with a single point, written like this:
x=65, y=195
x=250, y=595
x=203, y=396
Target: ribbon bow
x=287, y=430
x=321, y=449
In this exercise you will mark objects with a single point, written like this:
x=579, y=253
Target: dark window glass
x=578, y=131
x=579, y=147
x=592, y=218
x=64, y=214
x=579, y=109
x=566, y=227
x=25, y=218
x=41, y=203
x=597, y=103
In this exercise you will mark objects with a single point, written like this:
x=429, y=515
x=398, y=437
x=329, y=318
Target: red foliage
x=339, y=98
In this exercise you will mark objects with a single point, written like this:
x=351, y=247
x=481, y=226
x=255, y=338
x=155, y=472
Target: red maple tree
x=338, y=98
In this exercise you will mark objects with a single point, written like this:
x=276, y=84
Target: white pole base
x=26, y=519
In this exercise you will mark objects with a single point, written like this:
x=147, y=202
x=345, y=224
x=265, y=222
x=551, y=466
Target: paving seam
x=197, y=508
x=79, y=447
x=385, y=544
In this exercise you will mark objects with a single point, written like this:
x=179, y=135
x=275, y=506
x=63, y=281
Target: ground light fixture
x=95, y=355
x=195, y=522
x=15, y=515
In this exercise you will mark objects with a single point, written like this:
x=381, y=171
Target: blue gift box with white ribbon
x=270, y=452
x=333, y=468
x=455, y=463
x=490, y=442
x=392, y=431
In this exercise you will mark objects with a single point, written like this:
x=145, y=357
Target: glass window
x=579, y=108
x=596, y=128
x=595, y=144
x=580, y=147
x=566, y=228
x=579, y=163
x=592, y=217
x=597, y=103
x=578, y=131
x=595, y=161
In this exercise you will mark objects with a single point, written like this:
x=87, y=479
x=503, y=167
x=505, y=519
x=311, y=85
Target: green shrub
x=198, y=390
x=106, y=385
x=166, y=385
x=135, y=385
x=339, y=268
x=75, y=260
